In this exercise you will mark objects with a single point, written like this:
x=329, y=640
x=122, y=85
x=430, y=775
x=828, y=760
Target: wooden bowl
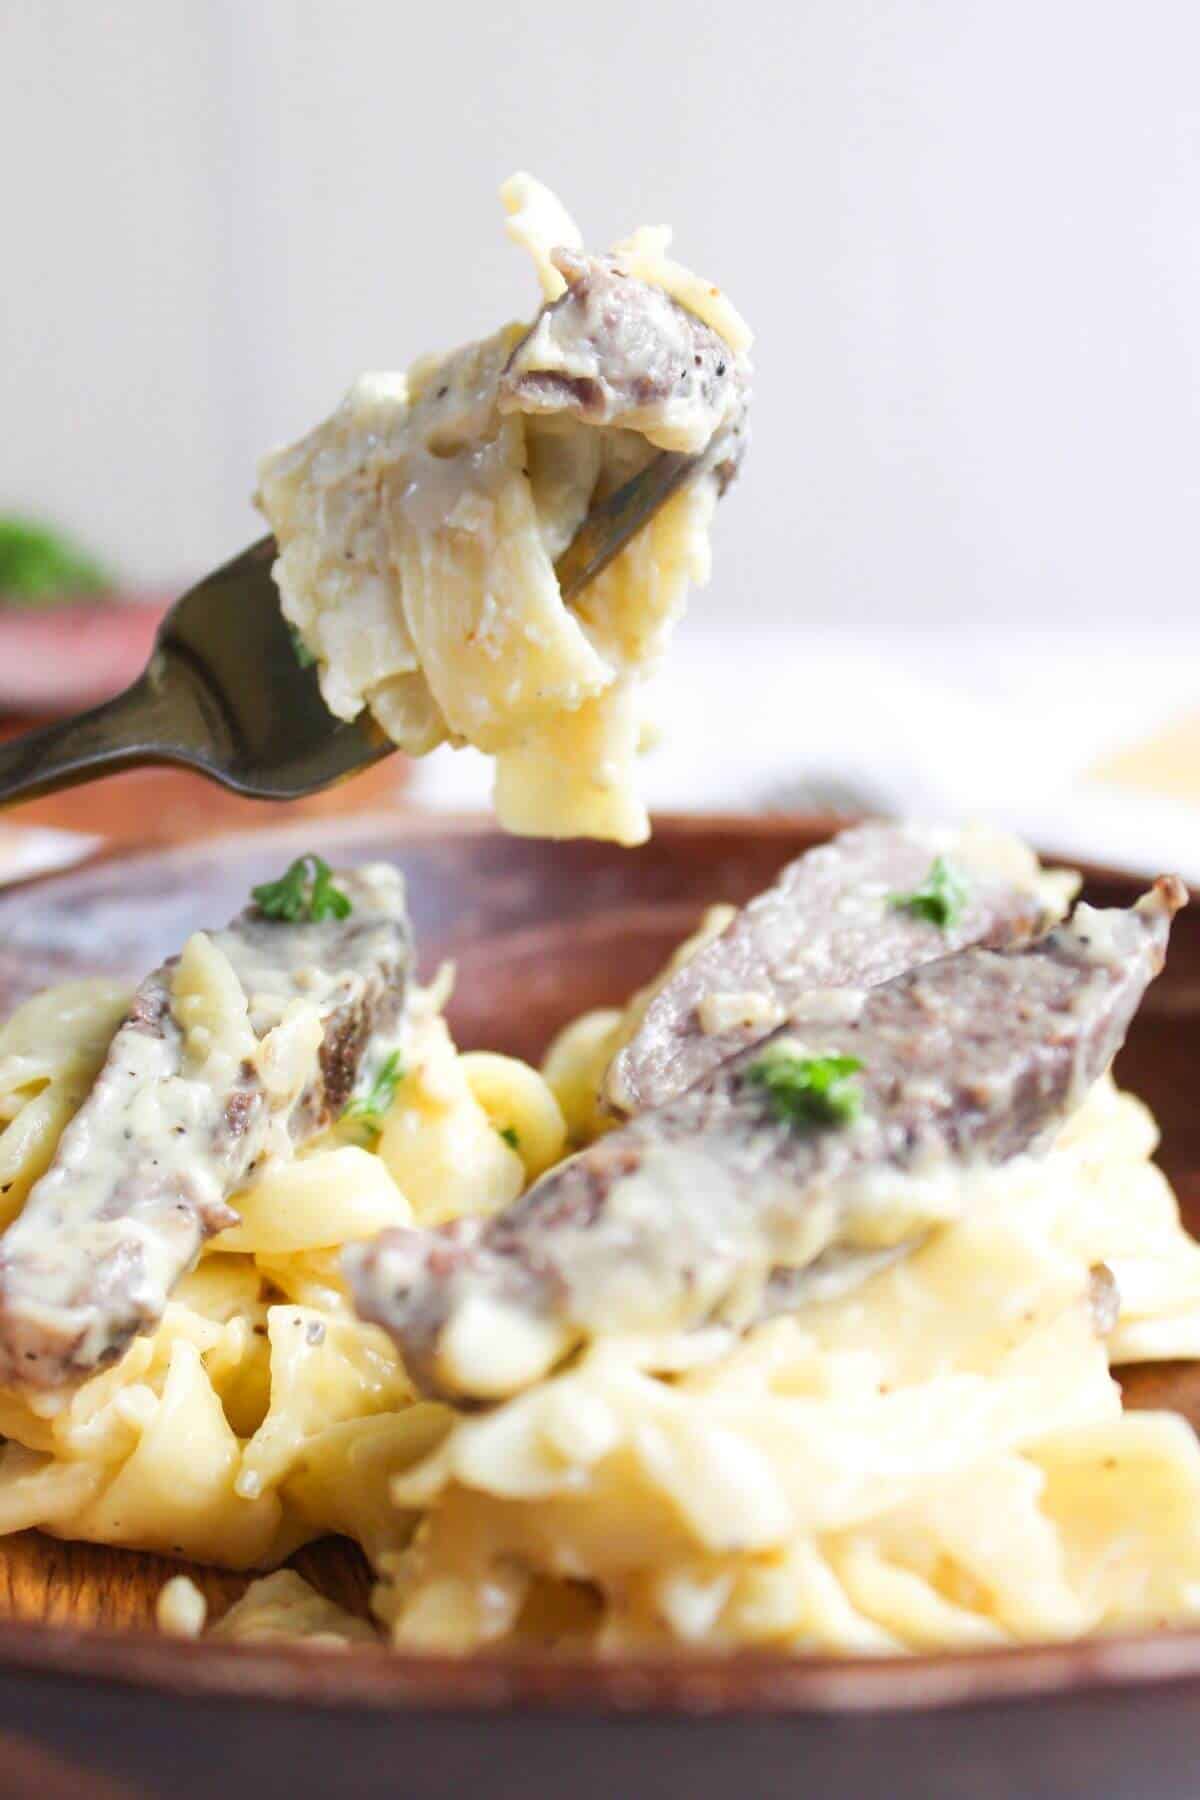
x=92, y=1704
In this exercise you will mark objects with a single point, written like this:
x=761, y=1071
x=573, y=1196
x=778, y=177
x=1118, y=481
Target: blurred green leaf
x=39, y=565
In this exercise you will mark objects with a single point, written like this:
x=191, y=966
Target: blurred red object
x=62, y=658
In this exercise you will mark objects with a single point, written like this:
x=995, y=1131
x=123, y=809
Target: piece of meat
x=712, y=1208
x=618, y=351
x=829, y=922
x=189, y=1108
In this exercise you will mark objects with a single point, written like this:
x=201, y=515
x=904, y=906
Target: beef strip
x=183, y=1114
x=618, y=351
x=714, y=1208
x=828, y=922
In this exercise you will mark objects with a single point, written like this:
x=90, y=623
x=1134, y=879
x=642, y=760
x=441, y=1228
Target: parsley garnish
x=39, y=564
x=940, y=897
x=304, y=655
x=808, y=1090
x=372, y=1107
x=297, y=897
x=509, y=1134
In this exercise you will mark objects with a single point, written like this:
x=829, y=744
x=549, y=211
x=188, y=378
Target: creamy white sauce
x=200, y=1098
x=718, y=1013
x=1101, y=934
x=492, y=1349
x=623, y=342
x=833, y=1006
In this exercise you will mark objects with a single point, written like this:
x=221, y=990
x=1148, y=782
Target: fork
x=225, y=694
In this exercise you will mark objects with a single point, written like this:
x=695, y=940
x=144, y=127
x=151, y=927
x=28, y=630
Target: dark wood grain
x=538, y=932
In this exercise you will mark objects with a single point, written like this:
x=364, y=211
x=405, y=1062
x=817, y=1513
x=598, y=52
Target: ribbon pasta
x=938, y=1459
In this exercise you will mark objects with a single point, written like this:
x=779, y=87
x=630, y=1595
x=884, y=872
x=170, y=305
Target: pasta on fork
x=419, y=526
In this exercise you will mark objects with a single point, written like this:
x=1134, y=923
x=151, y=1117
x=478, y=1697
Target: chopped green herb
x=940, y=898
x=372, y=1107
x=510, y=1137
x=304, y=655
x=299, y=897
x=38, y=564
x=809, y=1090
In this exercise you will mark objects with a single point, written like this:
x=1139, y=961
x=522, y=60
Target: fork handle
x=133, y=728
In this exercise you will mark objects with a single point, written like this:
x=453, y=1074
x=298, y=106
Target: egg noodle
x=939, y=1458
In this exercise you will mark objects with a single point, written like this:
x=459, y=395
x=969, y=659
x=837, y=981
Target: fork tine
x=613, y=522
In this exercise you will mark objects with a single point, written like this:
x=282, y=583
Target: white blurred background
x=962, y=560
x=966, y=232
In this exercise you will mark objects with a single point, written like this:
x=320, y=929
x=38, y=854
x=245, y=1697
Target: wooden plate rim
x=685, y=1683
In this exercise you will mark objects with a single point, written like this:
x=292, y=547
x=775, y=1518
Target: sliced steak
x=706, y=1209
x=830, y=922
x=199, y=1094
x=618, y=351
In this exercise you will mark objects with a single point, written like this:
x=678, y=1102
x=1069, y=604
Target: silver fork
x=225, y=694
